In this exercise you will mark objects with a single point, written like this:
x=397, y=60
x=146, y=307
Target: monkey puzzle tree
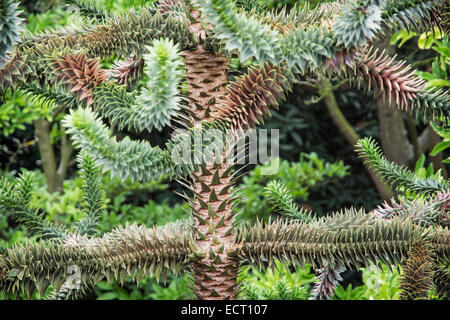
x=185, y=48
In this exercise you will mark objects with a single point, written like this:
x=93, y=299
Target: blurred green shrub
x=379, y=284
x=299, y=177
x=16, y=113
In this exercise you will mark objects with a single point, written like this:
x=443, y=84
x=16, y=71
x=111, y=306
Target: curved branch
x=136, y=160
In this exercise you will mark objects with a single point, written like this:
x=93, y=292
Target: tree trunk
x=42, y=131
x=54, y=173
x=215, y=274
x=393, y=132
x=64, y=162
x=352, y=137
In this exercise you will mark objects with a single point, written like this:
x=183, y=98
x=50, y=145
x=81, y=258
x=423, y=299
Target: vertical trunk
x=215, y=275
x=42, y=131
x=64, y=163
x=394, y=137
x=393, y=133
x=54, y=173
x=437, y=159
x=352, y=137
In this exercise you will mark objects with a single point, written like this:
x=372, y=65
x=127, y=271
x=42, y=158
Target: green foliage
x=21, y=108
x=47, y=98
x=310, y=48
x=148, y=289
x=444, y=132
x=157, y=102
x=48, y=19
x=415, y=15
x=421, y=171
x=138, y=161
x=132, y=253
x=16, y=113
x=360, y=22
x=435, y=40
x=302, y=50
x=93, y=202
x=89, y=9
x=306, y=50
x=96, y=263
x=298, y=177
x=122, y=35
x=277, y=283
x=438, y=42
x=120, y=5
x=64, y=209
x=17, y=197
x=251, y=37
x=273, y=4
x=16, y=200
x=387, y=241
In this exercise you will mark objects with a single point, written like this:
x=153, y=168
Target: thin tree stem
x=413, y=136
x=42, y=131
x=350, y=135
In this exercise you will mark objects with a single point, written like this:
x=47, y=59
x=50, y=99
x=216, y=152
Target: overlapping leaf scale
x=122, y=35
x=317, y=244
x=304, y=51
x=132, y=250
x=420, y=18
x=246, y=34
x=359, y=23
x=93, y=197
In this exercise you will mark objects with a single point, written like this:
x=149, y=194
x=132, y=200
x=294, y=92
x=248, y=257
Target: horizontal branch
x=132, y=250
x=347, y=239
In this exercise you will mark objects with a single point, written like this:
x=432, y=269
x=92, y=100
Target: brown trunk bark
x=393, y=133
x=42, y=131
x=64, y=162
x=215, y=275
x=54, y=173
x=352, y=137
